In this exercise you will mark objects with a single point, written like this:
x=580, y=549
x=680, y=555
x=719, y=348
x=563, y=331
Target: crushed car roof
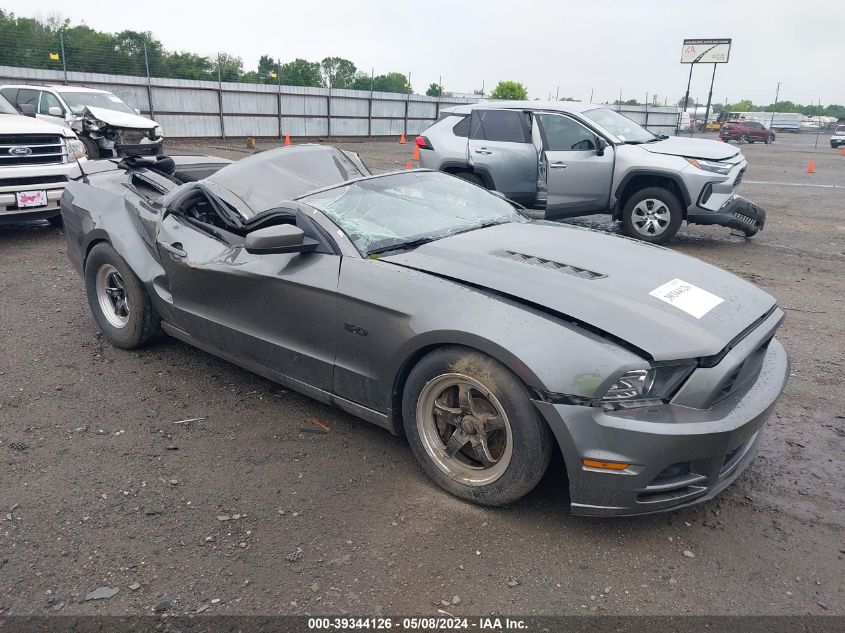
x=286, y=173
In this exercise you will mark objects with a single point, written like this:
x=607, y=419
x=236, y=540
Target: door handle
x=175, y=249
x=483, y=150
x=558, y=165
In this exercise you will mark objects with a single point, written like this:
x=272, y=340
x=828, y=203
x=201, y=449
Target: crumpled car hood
x=692, y=147
x=120, y=119
x=600, y=280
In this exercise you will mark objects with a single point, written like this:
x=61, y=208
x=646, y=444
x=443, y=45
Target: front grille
x=131, y=136
x=31, y=149
x=746, y=219
x=32, y=180
x=583, y=273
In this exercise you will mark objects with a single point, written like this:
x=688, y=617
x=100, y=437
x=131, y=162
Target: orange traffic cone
x=408, y=165
x=402, y=139
x=811, y=168
x=842, y=151
x=416, y=155
x=287, y=140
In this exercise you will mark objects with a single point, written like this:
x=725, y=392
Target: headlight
x=710, y=165
x=644, y=387
x=75, y=148
x=157, y=132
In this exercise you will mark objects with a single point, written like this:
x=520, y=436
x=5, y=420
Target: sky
x=576, y=47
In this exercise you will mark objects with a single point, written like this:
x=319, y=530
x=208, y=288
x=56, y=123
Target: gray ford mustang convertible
x=430, y=306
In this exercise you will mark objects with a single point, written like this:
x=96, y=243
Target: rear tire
x=652, y=215
x=92, y=152
x=117, y=298
x=472, y=427
x=743, y=138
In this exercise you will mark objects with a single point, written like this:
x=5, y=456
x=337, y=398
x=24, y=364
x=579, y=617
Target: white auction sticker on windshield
x=684, y=296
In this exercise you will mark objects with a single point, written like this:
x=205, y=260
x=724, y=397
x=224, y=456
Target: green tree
x=267, y=67
x=362, y=81
x=434, y=90
x=338, y=72
x=743, y=106
x=229, y=67
x=301, y=72
x=186, y=66
x=512, y=90
x=392, y=82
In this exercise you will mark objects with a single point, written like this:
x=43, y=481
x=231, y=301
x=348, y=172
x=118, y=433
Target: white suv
x=104, y=123
x=36, y=160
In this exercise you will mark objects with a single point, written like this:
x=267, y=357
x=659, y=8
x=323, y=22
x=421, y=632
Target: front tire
x=117, y=298
x=770, y=139
x=653, y=215
x=472, y=427
x=92, y=152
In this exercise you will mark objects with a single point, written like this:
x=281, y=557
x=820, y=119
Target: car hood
x=19, y=124
x=692, y=147
x=601, y=280
x=120, y=119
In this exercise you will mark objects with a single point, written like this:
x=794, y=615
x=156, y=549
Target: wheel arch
x=472, y=343
x=455, y=167
x=640, y=179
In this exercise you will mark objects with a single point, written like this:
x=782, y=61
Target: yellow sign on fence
x=54, y=56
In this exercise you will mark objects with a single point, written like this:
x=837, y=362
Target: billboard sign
x=705, y=51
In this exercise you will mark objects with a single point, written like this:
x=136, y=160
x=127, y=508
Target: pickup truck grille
x=20, y=150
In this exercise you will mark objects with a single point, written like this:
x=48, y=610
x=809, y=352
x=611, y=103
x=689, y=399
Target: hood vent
x=583, y=273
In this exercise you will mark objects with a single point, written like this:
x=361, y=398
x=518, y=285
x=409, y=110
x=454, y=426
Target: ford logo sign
x=20, y=150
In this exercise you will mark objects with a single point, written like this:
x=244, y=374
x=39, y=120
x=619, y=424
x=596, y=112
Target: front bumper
x=737, y=213
x=49, y=178
x=679, y=455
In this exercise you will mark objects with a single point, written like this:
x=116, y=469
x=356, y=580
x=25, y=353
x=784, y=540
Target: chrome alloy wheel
x=650, y=217
x=464, y=429
x=111, y=295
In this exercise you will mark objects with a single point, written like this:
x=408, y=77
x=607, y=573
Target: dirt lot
x=268, y=502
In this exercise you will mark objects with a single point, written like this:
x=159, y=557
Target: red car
x=746, y=132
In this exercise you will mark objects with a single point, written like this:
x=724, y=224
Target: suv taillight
x=423, y=143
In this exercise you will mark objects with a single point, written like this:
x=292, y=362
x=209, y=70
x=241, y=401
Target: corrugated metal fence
x=193, y=108
x=189, y=108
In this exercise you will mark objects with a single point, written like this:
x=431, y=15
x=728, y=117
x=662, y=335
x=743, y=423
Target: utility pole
x=64, y=63
x=557, y=94
x=689, y=81
x=149, y=83
x=279, y=96
x=777, y=94
x=709, y=97
x=591, y=95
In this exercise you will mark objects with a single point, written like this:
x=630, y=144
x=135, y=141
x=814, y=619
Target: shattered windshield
x=387, y=212
x=78, y=101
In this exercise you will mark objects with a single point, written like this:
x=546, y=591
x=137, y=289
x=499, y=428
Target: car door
x=499, y=148
x=577, y=174
x=759, y=131
x=50, y=109
x=267, y=312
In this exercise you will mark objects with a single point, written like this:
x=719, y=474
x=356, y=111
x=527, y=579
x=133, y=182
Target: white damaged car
x=105, y=123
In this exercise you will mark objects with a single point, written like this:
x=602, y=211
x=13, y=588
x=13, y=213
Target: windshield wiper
x=403, y=245
x=432, y=238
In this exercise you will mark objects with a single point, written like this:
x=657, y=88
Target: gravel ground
x=185, y=482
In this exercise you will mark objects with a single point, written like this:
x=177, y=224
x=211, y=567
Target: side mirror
x=601, y=145
x=282, y=238
x=55, y=111
x=27, y=109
